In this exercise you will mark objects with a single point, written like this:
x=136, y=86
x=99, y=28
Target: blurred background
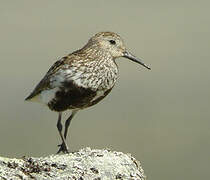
x=160, y=116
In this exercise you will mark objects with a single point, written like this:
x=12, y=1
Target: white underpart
x=58, y=78
x=45, y=96
x=98, y=95
x=48, y=95
x=67, y=74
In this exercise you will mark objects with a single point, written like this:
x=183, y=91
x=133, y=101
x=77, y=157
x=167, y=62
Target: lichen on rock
x=86, y=164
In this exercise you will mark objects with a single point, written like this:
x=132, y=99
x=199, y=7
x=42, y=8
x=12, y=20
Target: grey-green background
x=161, y=116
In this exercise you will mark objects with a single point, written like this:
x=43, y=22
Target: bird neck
x=96, y=53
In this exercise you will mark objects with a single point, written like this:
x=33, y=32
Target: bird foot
x=63, y=148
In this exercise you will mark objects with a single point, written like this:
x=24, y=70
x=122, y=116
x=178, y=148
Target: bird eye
x=112, y=42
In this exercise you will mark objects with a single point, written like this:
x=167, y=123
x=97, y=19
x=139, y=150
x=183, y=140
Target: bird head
x=114, y=44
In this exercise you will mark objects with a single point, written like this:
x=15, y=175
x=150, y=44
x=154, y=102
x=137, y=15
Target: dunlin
x=82, y=78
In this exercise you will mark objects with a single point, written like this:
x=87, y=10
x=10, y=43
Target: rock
x=86, y=164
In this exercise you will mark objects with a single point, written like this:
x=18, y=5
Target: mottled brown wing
x=45, y=82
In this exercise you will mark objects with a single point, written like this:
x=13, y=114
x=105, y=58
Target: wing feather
x=45, y=82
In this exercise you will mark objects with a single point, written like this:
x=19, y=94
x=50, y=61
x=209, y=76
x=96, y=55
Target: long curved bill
x=135, y=59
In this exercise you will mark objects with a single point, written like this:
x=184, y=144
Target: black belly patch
x=71, y=96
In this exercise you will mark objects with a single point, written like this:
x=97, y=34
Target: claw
x=63, y=148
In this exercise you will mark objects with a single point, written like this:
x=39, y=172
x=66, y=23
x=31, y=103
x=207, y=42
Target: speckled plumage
x=84, y=77
x=88, y=69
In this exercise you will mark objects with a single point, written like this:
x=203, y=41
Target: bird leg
x=67, y=123
x=63, y=146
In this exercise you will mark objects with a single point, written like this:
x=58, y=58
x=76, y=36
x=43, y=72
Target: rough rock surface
x=86, y=164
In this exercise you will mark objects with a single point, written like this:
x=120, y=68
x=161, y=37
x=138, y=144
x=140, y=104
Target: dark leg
x=67, y=123
x=63, y=146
